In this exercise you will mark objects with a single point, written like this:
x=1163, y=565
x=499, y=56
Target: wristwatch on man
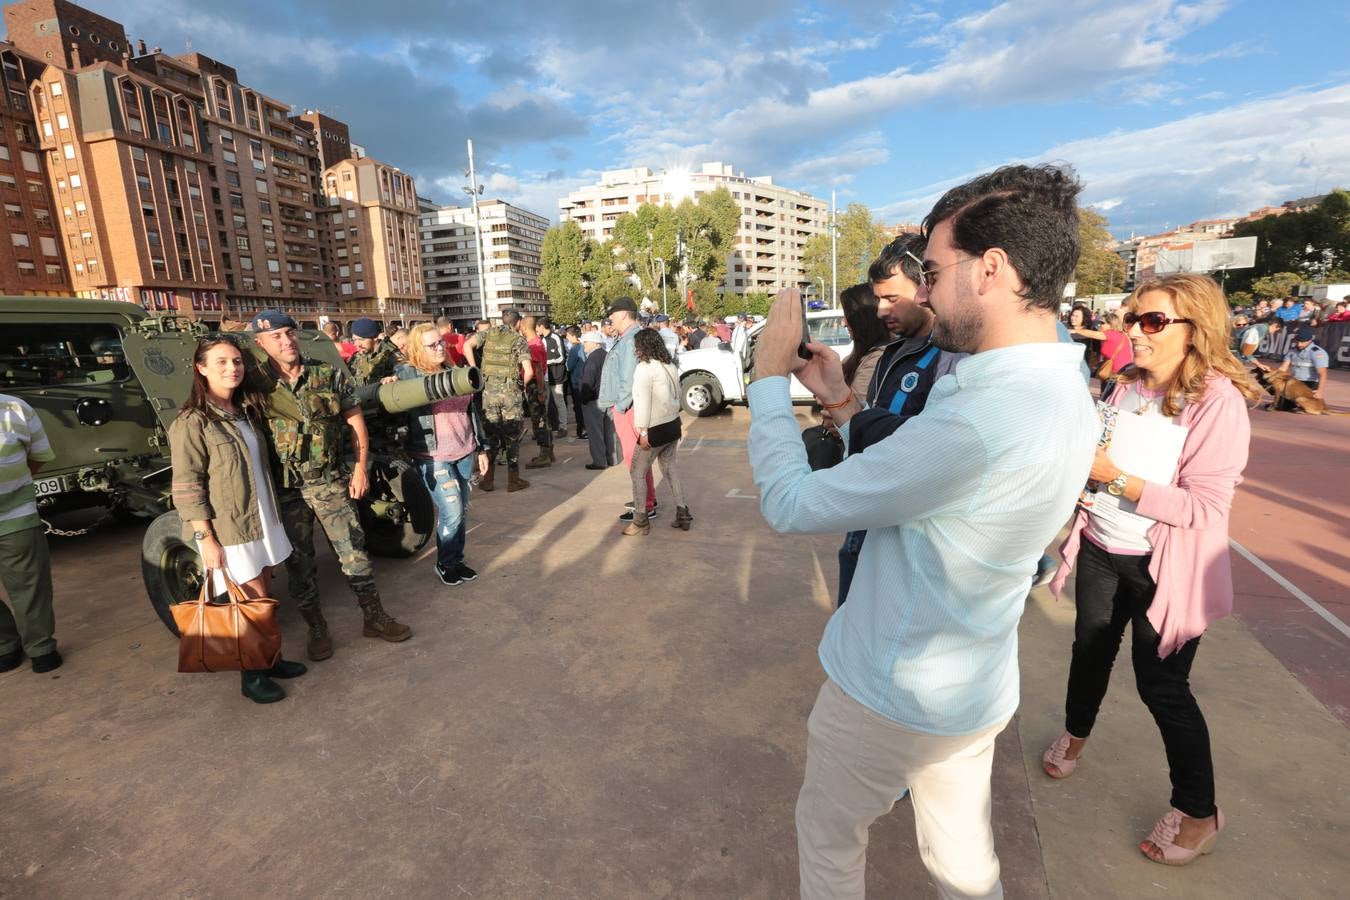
x=202, y=535
x=1116, y=486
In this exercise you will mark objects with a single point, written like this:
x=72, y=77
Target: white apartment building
x=776, y=222
x=511, y=240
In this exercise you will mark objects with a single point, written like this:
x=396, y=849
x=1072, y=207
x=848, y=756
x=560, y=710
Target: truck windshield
x=46, y=355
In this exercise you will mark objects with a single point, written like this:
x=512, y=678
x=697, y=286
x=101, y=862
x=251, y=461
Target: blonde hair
x=418, y=356
x=1199, y=299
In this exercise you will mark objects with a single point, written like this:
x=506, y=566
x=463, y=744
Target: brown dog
x=1284, y=387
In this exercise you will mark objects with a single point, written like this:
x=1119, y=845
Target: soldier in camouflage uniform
x=307, y=403
x=501, y=354
x=375, y=359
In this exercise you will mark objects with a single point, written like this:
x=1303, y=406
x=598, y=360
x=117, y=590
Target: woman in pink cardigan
x=1154, y=556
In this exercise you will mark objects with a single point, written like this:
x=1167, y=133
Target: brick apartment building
x=168, y=181
x=372, y=210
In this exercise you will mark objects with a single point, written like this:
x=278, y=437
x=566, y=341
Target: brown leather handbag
x=227, y=637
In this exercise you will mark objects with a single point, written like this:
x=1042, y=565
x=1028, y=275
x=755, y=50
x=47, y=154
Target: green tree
x=1277, y=286
x=860, y=241
x=563, y=258
x=1240, y=298
x=607, y=278
x=1313, y=243
x=1100, y=270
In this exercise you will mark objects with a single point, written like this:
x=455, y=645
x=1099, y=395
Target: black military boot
x=320, y=645
x=379, y=623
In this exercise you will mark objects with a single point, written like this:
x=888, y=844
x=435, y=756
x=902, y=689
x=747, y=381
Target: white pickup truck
x=710, y=379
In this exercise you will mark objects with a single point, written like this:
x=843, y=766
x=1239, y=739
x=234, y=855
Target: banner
x=1333, y=337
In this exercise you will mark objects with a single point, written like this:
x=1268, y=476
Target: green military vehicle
x=107, y=379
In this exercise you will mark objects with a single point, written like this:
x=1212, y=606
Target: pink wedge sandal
x=1055, y=764
x=1164, y=836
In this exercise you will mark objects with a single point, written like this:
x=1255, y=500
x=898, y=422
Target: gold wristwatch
x=1116, y=486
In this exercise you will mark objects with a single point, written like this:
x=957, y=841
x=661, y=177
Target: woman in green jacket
x=222, y=487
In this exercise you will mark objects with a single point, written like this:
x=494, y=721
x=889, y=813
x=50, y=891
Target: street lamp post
x=834, y=250
x=821, y=279
x=664, y=310
x=475, y=190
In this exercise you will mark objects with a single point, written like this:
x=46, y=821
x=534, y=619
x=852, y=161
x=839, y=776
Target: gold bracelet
x=845, y=402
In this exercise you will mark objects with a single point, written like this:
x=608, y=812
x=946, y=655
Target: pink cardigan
x=1190, y=561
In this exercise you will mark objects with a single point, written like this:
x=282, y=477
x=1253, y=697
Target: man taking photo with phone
x=921, y=663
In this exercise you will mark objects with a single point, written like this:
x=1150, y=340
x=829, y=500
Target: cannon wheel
x=171, y=568
x=391, y=480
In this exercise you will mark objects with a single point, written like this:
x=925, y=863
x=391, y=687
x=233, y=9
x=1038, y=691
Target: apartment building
x=264, y=189
x=31, y=259
x=372, y=212
x=511, y=242
x=776, y=222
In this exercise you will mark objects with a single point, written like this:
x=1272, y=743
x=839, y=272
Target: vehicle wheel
x=701, y=395
x=170, y=567
x=392, y=483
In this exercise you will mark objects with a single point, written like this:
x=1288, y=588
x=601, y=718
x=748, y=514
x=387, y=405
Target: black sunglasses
x=1151, y=322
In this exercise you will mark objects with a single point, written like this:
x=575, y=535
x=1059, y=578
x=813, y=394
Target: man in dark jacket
x=599, y=429
x=909, y=366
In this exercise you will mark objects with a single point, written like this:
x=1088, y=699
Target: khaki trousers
x=857, y=763
x=26, y=573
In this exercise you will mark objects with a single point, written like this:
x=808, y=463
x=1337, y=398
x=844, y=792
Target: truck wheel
x=701, y=395
x=171, y=568
x=403, y=538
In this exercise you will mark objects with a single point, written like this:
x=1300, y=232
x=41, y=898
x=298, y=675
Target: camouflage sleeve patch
x=522, y=349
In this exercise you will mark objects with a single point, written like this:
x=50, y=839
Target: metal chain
x=51, y=529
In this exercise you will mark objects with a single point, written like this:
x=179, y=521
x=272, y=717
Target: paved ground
x=616, y=717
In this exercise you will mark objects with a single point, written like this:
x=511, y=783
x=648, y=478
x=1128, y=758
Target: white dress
x=246, y=561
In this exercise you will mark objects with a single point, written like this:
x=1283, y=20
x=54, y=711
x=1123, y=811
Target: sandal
x=1164, y=836
x=1054, y=763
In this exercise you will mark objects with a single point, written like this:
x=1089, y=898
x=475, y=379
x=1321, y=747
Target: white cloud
x=1226, y=162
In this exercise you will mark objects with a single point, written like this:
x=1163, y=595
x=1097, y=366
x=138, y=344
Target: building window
x=75, y=181
x=273, y=266
x=19, y=239
x=246, y=263
x=241, y=241
x=152, y=238
x=68, y=150
x=260, y=185
x=56, y=88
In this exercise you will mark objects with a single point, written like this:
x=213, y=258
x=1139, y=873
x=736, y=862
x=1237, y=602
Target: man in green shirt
x=309, y=406
x=25, y=565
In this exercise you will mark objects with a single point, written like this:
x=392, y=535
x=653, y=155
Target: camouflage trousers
x=540, y=427
x=502, y=423
x=336, y=513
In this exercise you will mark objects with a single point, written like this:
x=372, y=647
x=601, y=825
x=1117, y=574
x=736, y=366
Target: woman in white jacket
x=656, y=418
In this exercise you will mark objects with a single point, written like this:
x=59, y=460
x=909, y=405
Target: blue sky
x=1170, y=111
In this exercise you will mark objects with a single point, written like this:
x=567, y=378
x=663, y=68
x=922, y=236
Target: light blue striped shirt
x=959, y=504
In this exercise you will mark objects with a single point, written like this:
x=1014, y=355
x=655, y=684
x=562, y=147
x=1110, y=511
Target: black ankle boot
x=286, y=668
x=257, y=687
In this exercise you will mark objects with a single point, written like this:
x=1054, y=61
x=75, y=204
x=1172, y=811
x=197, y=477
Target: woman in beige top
x=656, y=405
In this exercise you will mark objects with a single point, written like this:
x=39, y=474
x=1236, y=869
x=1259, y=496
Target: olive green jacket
x=213, y=478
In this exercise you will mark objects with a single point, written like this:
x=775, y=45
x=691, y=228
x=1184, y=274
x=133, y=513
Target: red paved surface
x=1293, y=512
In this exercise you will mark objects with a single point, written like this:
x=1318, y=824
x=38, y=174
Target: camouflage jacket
x=377, y=364
x=503, y=352
x=306, y=420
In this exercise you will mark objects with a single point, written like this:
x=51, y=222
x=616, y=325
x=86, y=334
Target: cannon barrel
x=411, y=393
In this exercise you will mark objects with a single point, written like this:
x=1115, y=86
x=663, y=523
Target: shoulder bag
x=666, y=432
x=227, y=637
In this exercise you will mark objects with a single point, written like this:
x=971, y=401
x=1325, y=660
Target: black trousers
x=1113, y=591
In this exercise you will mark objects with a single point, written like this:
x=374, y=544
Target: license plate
x=46, y=487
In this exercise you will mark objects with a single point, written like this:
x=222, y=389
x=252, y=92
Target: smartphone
x=806, y=335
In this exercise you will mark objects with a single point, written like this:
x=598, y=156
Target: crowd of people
x=967, y=439
x=949, y=488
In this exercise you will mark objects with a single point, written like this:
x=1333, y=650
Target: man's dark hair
x=544, y=322
x=894, y=257
x=1030, y=213
x=510, y=318
x=573, y=331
